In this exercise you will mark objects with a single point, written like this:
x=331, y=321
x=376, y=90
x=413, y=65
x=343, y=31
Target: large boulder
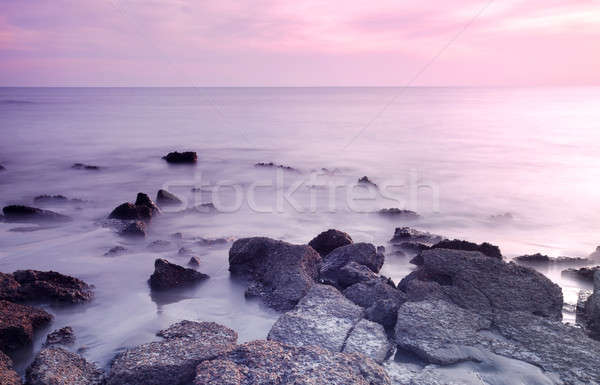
x=19, y=213
x=174, y=359
x=584, y=273
x=457, y=244
x=56, y=366
x=274, y=363
x=329, y=240
x=10, y=288
x=52, y=286
x=168, y=275
x=442, y=333
x=165, y=198
x=8, y=376
x=280, y=273
x=143, y=209
x=475, y=281
x=591, y=311
x=362, y=253
x=17, y=324
x=326, y=319
x=181, y=157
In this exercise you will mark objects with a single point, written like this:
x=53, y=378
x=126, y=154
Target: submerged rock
x=172, y=360
x=194, y=262
x=159, y=245
x=329, y=240
x=274, y=363
x=17, y=324
x=41, y=199
x=57, y=366
x=541, y=259
x=366, y=181
x=361, y=253
x=457, y=244
x=274, y=165
x=442, y=333
x=114, y=251
x=280, y=273
x=2, y=168
x=584, y=273
x=83, y=166
x=8, y=376
x=52, y=286
x=19, y=213
x=165, y=198
x=64, y=336
x=181, y=157
x=169, y=275
x=136, y=229
x=533, y=258
x=478, y=282
x=399, y=213
x=143, y=209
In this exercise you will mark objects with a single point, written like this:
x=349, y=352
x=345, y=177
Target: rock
x=143, y=209
x=194, y=262
x=212, y=241
x=329, y=240
x=168, y=275
x=475, y=281
x=352, y=273
x=457, y=244
x=172, y=360
x=533, y=258
x=384, y=312
x=136, y=229
x=447, y=334
x=145, y=201
x=280, y=273
x=380, y=299
x=10, y=288
x=584, y=273
x=366, y=181
x=409, y=240
x=502, y=218
x=185, y=251
x=595, y=254
x=159, y=245
x=82, y=166
x=17, y=324
x=274, y=363
x=399, y=213
x=274, y=165
x=8, y=376
x=540, y=259
x=181, y=157
x=41, y=199
x=165, y=198
x=369, y=339
x=592, y=309
x=18, y=213
x=2, y=168
x=52, y=286
x=56, y=366
x=114, y=251
x=361, y=253
x=64, y=336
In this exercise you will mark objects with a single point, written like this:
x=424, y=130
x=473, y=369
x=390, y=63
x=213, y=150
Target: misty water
x=460, y=157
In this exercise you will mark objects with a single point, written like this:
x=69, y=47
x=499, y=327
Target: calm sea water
x=458, y=156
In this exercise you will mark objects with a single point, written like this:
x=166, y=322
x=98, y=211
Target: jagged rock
x=361, y=253
x=165, y=198
x=353, y=273
x=475, y=281
x=17, y=323
x=114, y=251
x=145, y=201
x=136, y=229
x=82, y=166
x=169, y=275
x=280, y=273
x=181, y=157
x=366, y=181
x=172, y=360
x=443, y=333
x=52, y=286
x=194, y=262
x=329, y=240
x=10, y=288
x=369, y=339
x=8, y=376
x=585, y=273
x=26, y=214
x=274, y=165
x=56, y=366
x=380, y=299
x=457, y=244
x=64, y=336
x=274, y=363
x=143, y=209
x=399, y=213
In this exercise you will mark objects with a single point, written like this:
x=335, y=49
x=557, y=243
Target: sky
x=299, y=43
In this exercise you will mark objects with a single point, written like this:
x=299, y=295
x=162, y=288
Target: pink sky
x=298, y=43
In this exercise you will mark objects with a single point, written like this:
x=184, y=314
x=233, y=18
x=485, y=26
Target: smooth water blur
x=528, y=152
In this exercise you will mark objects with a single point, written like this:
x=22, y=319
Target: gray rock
x=368, y=338
x=407, y=235
x=399, y=213
x=280, y=273
x=457, y=244
x=26, y=214
x=443, y=333
x=56, y=366
x=330, y=240
x=365, y=294
x=591, y=313
x=274, y=363
x=352, y=273
x=474, y=281
x=360, y=253
x=165, y=198
x=8, y=376
x=384, y=312
x=174, y=359
x=168, y=275
x=584, y=273
x=64, y=336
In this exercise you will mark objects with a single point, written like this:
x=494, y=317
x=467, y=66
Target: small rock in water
x=159, y=244
x=366, y=181
x=399, y=213
x=544, y=259
x=168, y=275
x=64, y=336
x=2, y=168
x=40, y=199
x=19, y=213
x=184, y=251
x=181, y=157
x=17, y=324
x=533, y=258
x=329, y=240
x=457, y=244
x=177, y=236
x=194, y=262
x=584, y=273
x=143, y=209
x=57, y=366
x=52, y=286
x=82, y=166
x=274, y=165
x=412, y=241
x=165, y=198
x=8, y=376
x=114, y=251
x=135, y=229
x=213, y=241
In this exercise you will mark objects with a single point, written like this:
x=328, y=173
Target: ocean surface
x=518, y=168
